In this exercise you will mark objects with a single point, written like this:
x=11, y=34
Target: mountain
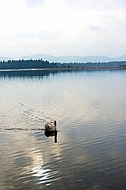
x=122, y=58
x=5, y=58
x=68, y=59
x=78, y=59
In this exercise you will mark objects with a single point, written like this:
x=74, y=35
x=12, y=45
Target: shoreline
x=71, y=68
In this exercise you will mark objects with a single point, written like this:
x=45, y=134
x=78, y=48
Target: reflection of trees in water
x=32, y=73
x=27, y=73
x=38, y=72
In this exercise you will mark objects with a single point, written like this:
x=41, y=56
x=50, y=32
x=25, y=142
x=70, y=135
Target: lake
x=90, y=110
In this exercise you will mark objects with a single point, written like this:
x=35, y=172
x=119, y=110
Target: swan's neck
x=55, y=123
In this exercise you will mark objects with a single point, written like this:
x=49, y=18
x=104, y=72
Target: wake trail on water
x=23, y=118
x=22, y=129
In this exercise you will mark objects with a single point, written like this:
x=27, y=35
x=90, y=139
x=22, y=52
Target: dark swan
x=51, y=130
x=50, y=126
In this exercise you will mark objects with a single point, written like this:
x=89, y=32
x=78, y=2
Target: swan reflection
x=51, y=134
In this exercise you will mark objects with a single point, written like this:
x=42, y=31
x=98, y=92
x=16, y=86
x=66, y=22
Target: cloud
x=33, y=3
x=43, y=36
x=65, y=27
x=30, y=43
x=98, y=5
x=95, y=28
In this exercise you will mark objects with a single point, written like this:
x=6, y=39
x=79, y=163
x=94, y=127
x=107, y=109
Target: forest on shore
x=42, y=64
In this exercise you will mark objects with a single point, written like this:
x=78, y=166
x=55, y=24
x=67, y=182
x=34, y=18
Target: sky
x=62, y=27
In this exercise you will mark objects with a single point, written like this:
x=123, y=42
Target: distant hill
x=69, y=59
x=78, y=59
x=5, y=58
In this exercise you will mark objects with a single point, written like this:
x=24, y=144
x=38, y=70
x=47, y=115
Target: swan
x=50, y=126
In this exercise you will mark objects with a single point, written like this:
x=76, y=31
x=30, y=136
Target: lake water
x=90, y=109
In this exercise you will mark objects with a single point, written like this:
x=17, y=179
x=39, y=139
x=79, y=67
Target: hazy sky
x=62, y=27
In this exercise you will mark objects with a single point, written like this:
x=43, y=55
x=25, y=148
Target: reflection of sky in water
x=26, y=157
x=44, y=175
x=82, y=94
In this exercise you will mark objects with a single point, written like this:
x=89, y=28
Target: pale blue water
x=90, y=108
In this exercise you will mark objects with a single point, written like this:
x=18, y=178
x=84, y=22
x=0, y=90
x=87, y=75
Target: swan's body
x=50, y=126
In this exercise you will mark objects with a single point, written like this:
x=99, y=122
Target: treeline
x=26, y=64
x=41, y=64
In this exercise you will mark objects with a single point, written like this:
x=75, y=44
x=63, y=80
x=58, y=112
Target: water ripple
x=90, y=152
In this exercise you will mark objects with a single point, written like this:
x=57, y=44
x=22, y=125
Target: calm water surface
x=90, y=108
